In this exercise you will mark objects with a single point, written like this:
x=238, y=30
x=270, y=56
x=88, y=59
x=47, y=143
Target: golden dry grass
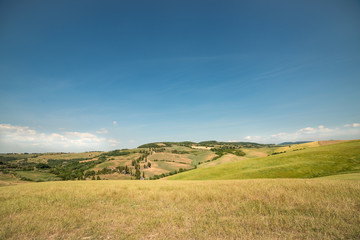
x=170, y=157
x=241, y=209
x=45, y=157
x=115, y=176
x=324, y=143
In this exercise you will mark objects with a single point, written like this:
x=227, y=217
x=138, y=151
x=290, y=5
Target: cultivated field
x=240, y=209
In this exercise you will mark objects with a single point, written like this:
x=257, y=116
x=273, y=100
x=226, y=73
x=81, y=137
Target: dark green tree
x=137, y=174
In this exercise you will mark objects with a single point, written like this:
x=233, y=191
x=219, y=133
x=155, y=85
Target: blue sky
x=100, y=75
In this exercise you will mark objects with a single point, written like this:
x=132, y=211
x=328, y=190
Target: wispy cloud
x=114, y=142
x=115, y=123
x=253, y=138
x=352, y=125
x=102, y=131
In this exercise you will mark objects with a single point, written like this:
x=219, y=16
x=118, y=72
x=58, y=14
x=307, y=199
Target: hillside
x=149, y=161
x=213, y=160
x=305, y=162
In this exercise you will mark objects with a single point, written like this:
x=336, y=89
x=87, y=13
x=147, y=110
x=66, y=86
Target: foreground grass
x=312, y=162
x=241, y=209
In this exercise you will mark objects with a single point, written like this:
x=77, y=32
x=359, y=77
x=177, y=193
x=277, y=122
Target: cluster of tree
x=156, y=145
x=122, y=152
x=186, y=144
x=21, y=165
x=211, y=143
x=123, y=169
x=167, y=144
x=74, y=169
x=179, y=152
x=158, y=149
x=220, y=151
x=275, y=153
x=214, y=143
x=7, y=157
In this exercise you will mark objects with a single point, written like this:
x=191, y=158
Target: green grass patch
x=348, y=176
x=201, y=156
x=106, y=164
x=36, y=176
x=308, y=163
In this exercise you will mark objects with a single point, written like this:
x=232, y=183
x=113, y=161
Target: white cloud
x=352, y=125
x=115, y=123
x=24, y=139
x=132, y=141
x=310, y=134
x=102, y=131
x=306, y=130
x=315, y=133
x=233, y=141
x=310, y=130
x=253, y=138
x=114, y=142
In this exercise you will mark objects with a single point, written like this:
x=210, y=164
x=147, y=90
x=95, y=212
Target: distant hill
x=211, y=143
x=292, y=143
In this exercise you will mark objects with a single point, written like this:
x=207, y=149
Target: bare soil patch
x=324, y=143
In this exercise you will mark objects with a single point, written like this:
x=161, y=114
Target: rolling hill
x=149, y=161
x=306, y=162
x=324, y=207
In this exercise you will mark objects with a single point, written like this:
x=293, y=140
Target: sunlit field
x=308, y=162
x=236, y=209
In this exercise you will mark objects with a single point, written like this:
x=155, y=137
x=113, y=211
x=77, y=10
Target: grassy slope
x=44, y=157
x=311, y=162
x=250, y=209
x=224, y=159
x=348, y=176
x=37, y=176
x=9, y=179
x=227, y=158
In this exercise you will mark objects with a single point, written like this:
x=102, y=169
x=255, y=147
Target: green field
x=307, y=163
x=36, y=176
x=9, y=179
x=347, y=176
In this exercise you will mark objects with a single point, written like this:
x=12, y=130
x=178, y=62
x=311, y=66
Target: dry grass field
x=240, y=209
